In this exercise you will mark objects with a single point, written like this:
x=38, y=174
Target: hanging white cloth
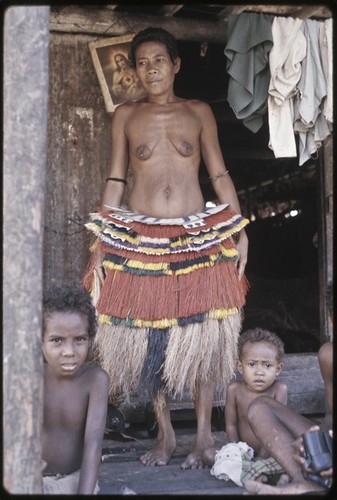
x=309, y=120
x=285, y=60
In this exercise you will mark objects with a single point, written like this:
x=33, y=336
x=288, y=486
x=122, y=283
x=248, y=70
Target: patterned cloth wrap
x=169, y=308
x=234, y=462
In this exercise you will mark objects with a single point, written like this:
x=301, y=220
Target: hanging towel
x=249, y=43
x=285, y=60
x=309, y=120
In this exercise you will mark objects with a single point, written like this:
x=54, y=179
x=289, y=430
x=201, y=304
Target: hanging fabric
x=309, y=120
x=285, y=60
x=247, y=49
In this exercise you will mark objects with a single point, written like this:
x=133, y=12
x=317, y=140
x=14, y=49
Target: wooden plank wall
x=305, y=383
x=301, y=373
x=78, y=156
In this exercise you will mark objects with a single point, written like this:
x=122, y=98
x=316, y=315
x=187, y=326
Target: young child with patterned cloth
x=75, y=394
x=260, y=355
x=281, y=431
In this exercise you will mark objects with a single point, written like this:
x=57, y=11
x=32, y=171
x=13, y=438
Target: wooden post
x=26, y=41
x=325, y=239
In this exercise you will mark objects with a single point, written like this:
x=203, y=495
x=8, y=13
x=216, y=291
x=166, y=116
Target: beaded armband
x=215, y=177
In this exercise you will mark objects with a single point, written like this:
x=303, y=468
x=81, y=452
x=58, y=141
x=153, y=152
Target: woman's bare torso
x=164, y=152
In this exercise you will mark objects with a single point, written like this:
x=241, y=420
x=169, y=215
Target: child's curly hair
x=70, y=297
x=260, y=335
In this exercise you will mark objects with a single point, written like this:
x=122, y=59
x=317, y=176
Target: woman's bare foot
x=208, y=457
x=166, y=440
x=288, y=489
x=160, y=454
x=195, y=459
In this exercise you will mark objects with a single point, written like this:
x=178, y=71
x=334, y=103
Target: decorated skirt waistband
x=127, y=233
x=190, y=221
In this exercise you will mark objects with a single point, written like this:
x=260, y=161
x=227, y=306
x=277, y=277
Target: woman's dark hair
x=70, y=297
x=154, y=35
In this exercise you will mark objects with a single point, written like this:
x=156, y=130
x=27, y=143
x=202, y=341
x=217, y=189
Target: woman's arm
x=221, y=180
x=114, y=190
x=231, y=416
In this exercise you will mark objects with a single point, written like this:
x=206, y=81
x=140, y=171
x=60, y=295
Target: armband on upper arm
x=215, y=177
x=116, y=179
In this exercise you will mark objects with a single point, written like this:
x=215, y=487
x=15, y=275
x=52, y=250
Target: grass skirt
x=170, y=306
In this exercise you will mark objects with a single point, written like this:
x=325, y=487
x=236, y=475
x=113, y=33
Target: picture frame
x=118, y=80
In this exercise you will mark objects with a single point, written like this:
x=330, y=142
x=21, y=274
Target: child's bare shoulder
x=279, y=386
x=234, y=386
x=279, y=391
x=95, y=374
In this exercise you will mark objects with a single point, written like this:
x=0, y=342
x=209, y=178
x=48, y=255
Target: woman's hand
x=242, y=247
x=99, y=266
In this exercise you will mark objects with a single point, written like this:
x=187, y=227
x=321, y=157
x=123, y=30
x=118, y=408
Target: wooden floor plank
x=122, y=470
x=116, y=451
x=114, y=478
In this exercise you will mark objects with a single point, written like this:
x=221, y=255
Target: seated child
x=281, y=429
x=75, y=394
x=260, y=355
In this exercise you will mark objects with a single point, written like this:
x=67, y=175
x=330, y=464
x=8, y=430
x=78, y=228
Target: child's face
x=65, y=342
x=259, y=366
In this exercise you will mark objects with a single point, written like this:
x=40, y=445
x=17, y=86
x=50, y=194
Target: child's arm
x=281, y=393
x=231, y=416
x=94, y=432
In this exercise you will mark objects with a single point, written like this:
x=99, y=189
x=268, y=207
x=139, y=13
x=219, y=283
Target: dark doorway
x=278, y=196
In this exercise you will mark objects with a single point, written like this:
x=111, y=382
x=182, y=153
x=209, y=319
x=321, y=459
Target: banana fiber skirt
x=170, y=307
